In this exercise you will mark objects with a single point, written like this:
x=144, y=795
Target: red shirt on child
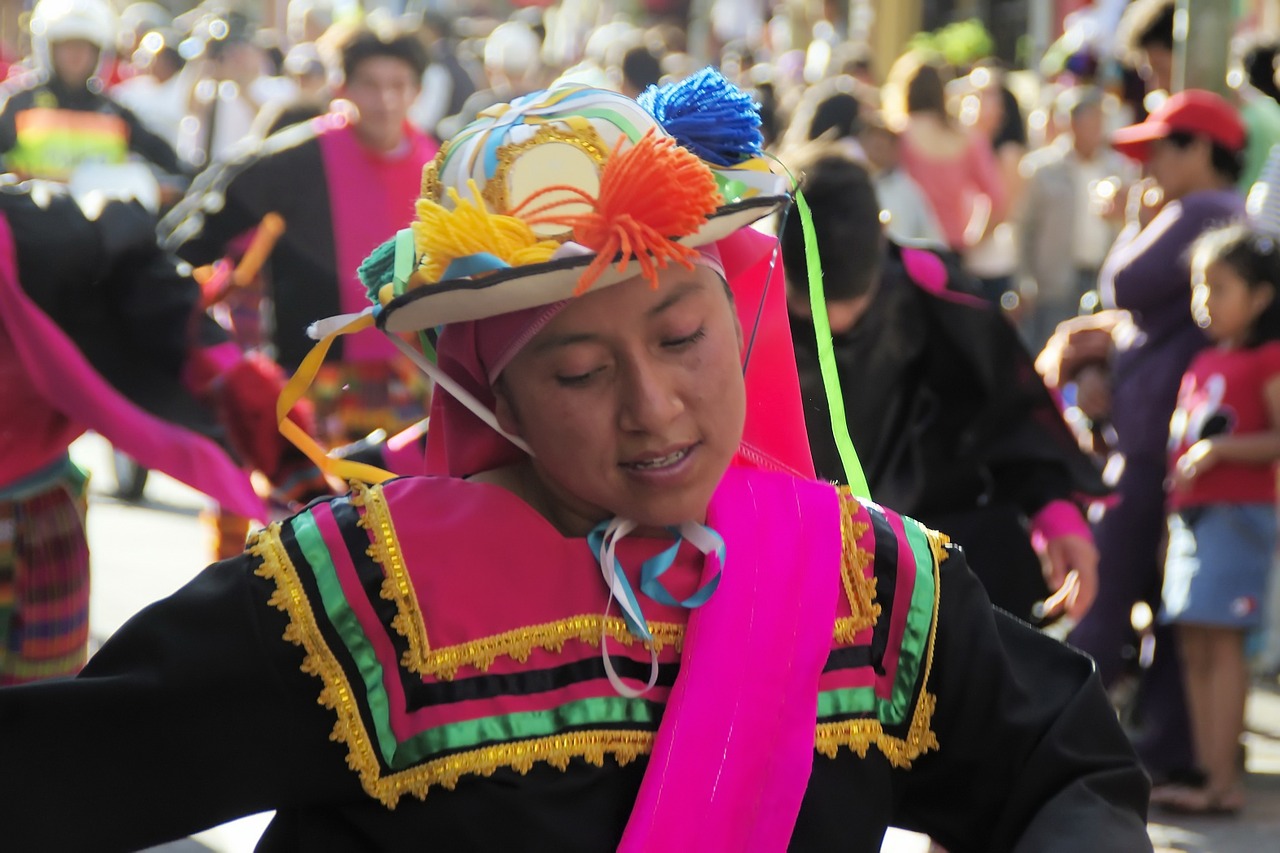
x=1221, y=394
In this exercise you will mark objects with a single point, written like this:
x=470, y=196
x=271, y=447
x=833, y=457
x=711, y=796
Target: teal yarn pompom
x=377, y=270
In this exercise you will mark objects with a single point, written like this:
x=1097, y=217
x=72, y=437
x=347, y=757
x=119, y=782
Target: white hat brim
x=517, y=288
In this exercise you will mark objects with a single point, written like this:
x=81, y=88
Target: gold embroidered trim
x=302, y=630
x=551, y=636
x=854, y=560
x=396, y=584
x=336, y=695
x=938, y=543
x=580, y=135
x=516, y=644
x=431, y=187
x=858, y=735
x=556, y=750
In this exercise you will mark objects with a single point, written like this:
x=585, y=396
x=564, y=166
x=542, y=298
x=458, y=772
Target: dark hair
x=838, y=112
x=1227, y=163
x=1157, y=29
x=641, y=68
x=366, y=44
x=1259, y=63
x=846, y=220
x=1256, y=259
x=1012, y=129
x=926, y=92
x=289, y=113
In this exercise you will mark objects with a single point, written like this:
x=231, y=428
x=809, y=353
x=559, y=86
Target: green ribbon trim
x=853, y=472
x=344, y=621
x=915, y=637
x=465, y=734
x=896, y=710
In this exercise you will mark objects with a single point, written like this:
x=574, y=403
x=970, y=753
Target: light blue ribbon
x=651, y=570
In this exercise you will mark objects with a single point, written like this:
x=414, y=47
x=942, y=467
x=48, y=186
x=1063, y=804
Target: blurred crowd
x=1007, y=178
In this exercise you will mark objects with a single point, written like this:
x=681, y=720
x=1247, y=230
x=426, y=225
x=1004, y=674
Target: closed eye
x=577, y=379
x=687, y=341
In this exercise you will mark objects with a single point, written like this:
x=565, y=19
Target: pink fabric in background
x=371, y=196
x=71, y=387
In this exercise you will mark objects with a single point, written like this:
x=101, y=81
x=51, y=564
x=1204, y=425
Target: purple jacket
x=1147, y=273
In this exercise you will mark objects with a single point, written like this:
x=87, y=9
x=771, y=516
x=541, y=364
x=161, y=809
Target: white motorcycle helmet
x=55, y=21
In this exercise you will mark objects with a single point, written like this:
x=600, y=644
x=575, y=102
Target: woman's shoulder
x=876, y=688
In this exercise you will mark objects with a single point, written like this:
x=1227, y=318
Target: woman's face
x=632, y=400
x=1177, y=169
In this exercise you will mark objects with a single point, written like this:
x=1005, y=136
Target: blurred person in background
x=1072, y=209
x=640, y=68
x=910, y=218
x=101, y=330
x=990, y=108
x=1253, y=81
x=1192, y=147
x=447, y=83
x=955, y=167
x=233, y=80
x=944, y=407
x=305, y=67
x=61, y=120
x=1145, y=34
x=512, y=67
x=340, y=183
x=156, y=92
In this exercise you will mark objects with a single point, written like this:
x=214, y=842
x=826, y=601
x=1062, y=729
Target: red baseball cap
x=1194, y=111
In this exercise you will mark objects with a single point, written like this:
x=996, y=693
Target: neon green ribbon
x=853, y=473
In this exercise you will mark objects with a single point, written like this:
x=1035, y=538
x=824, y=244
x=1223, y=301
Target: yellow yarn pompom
x=441, y=236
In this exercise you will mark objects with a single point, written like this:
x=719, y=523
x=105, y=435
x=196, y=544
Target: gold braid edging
x=854, y=560
x=858, y=735
x=396, y=585
x=520, y=756
x=518, y=644
x=349, y=729
x=336, y=694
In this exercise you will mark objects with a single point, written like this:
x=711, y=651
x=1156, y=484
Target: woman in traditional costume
x=617, y=614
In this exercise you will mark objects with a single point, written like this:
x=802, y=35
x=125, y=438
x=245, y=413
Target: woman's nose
x=650, y=400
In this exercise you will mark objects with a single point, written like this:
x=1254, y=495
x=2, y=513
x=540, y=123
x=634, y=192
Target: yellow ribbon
x=293, y=391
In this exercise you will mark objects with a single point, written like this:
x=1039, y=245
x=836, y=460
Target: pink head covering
x=474, y=353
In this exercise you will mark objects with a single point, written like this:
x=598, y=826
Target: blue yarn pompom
x=708, y=115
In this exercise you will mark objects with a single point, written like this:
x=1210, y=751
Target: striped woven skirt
x=44, y=584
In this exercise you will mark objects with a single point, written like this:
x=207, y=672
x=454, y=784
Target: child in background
x=1224, y=441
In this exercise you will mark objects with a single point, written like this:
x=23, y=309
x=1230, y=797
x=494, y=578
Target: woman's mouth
x=658, y=463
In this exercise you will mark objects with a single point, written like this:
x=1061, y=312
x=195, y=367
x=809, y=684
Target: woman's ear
x=1263, y=294
x=504, y=409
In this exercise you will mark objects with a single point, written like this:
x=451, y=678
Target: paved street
x=143, y=552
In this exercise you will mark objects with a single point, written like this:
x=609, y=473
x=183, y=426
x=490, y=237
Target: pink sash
x=69, y=384
x=732, y=757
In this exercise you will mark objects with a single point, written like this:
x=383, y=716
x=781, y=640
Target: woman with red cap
x=1191, y=147
x=789, y=667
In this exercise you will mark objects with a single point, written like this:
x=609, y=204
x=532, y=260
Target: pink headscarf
x=474, y=353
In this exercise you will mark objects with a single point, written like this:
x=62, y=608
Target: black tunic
x=197, y=711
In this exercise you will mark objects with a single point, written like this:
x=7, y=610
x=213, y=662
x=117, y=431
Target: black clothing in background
x=141, y=141
x=125, y=304
x=285, y=175
x=951, y=422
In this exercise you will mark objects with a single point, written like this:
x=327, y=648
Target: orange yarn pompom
x=652, y=194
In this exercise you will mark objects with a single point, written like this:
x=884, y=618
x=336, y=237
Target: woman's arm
x=194, y=713
x=1031, y=758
